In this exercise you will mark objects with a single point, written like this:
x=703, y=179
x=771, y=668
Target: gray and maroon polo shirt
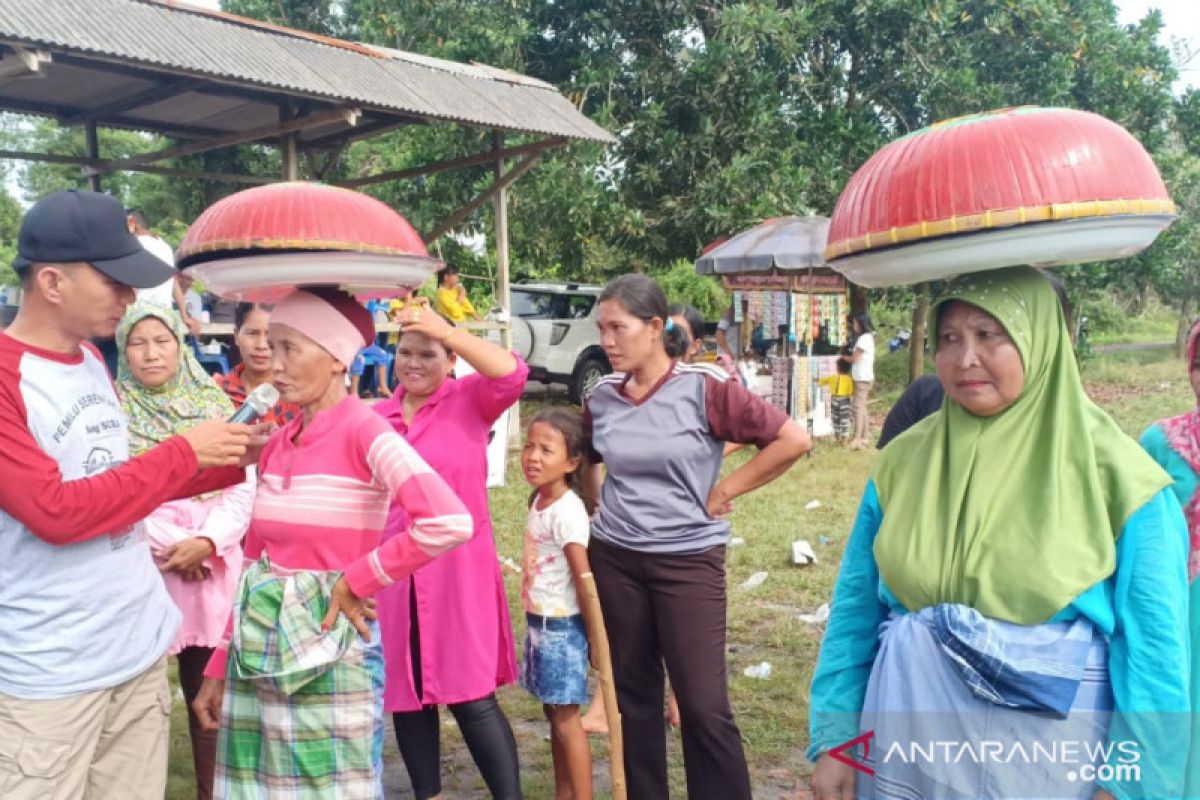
x=663, y=455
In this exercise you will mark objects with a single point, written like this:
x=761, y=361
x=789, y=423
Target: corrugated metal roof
x=187, y=41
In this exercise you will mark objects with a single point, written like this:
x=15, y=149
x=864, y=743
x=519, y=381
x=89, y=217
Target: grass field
x=1136, y=387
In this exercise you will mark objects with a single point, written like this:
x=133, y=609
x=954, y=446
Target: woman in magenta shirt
x=446, y=631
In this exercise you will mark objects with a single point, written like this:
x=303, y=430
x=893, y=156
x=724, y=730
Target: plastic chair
x=209, y=360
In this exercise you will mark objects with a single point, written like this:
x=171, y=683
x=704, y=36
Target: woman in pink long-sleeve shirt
x=299, y=698
x=446, y=630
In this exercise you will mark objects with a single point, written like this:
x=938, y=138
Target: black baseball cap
x=75, y=225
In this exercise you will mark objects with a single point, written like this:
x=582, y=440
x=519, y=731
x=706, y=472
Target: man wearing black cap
x=84, y=618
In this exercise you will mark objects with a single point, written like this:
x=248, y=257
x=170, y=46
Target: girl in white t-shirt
x=556, y=646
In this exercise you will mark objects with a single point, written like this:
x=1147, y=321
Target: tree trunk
x=916, y=345
x=858, y=299
x=1185, y=325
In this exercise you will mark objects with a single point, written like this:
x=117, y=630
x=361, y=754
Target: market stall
x=791, y=311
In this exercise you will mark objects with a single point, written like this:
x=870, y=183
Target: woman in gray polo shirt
x=658, y=539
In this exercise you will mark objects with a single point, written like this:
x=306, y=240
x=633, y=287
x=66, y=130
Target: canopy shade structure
x=211, y=80
x=781, y=244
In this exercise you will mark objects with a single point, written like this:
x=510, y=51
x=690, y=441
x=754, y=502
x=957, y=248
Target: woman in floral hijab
x=197, y=542
x=1174, y=443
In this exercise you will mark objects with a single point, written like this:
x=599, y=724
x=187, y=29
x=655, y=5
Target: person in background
x=251, y=326
x=446, y=630
x=1174, y=442
x=193, y=302
x=452, y=301
x=171, y=290
x=555, y=670
x=1016, y=573
x=297, y=692
x=196, y=542
x=841, y=390
x=657, y=549
x=729, y=336
x=85, y=621
x=862, y=371
x=381, y=369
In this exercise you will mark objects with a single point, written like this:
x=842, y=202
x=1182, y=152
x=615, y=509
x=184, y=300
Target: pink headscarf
x=1183, y=435
x=331, y=318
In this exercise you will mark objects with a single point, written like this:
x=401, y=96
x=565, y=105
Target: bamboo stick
x=598, y=638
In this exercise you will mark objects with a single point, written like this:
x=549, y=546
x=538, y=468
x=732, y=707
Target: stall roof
x=192, y=73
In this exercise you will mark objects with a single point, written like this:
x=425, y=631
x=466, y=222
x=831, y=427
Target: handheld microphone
x=257, y=404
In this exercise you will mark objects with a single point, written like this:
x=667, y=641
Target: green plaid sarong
x=302, y=715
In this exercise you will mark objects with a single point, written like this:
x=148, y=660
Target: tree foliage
x=725, y=113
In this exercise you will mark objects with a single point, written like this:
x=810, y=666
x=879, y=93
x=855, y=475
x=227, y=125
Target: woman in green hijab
x=196, y=542
x=1009, y=620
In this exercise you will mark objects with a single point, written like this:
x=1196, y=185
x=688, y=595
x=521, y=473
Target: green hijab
x=192, y=396
x=1017, y=514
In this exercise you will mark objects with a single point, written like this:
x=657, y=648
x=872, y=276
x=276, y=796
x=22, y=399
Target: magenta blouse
x=462, y=610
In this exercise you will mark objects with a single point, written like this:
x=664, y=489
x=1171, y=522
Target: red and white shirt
x=82, y=606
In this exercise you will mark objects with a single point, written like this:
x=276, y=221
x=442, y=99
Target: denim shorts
x=556, y=660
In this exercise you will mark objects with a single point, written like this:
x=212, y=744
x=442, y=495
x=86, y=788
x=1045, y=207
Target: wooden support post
x=502, y=294
x=287, y=144
x=93, y=150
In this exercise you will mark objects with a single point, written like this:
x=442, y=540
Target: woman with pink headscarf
x=1174, y=442
x=297, y=688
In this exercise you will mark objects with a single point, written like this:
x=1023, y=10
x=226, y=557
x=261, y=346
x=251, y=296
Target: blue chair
x=210, y=361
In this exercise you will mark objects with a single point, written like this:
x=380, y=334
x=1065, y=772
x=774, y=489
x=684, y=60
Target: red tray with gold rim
x=1042, y=186
x=261, y=243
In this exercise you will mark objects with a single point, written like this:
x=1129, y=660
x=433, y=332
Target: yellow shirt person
x=452, y=301
x=839, y=385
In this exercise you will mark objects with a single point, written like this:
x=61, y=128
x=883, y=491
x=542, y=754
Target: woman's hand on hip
x=207, y=705
x=719, y=501
x=186, y=556
x=832, y=779
x=357, y=611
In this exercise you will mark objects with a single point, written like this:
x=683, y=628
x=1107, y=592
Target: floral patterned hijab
x=190, y=397
x=1183, y=435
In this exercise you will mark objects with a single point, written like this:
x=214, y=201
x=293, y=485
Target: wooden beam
x=456, y=163
x=52, y=158
x=331, y=160
x=367, y=131
x=93, y=151
x=520, y=168
x=346, y=115
x=130, y=102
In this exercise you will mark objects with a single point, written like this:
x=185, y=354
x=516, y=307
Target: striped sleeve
x=439, y=520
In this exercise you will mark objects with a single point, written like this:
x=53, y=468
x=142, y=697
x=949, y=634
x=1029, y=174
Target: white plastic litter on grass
x=802, y=553
x=753, y=582
x=811, y=504
x=736, y=541
x=818, y=617
x=761, y=670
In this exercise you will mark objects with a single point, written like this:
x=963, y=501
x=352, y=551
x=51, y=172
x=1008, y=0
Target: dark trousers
x=671, y=608
x=192, y=661
x=484, y=728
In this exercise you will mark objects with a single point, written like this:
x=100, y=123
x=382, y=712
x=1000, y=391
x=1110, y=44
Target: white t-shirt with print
x=863, y=370
x=547, y=587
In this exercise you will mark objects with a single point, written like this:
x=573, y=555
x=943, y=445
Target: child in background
x=452, y=299
x=556, y=646
x=841, y=390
